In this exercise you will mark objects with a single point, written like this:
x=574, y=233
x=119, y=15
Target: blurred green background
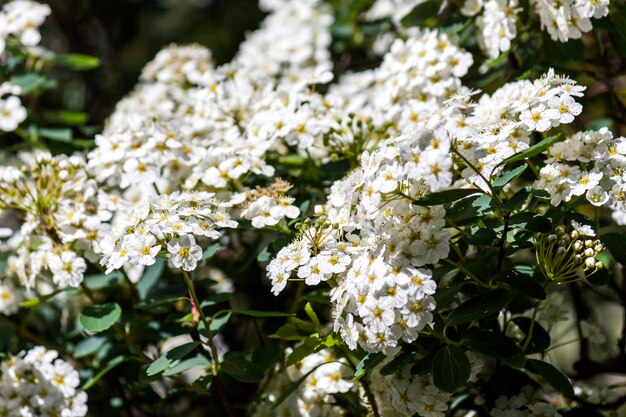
x=125, y=34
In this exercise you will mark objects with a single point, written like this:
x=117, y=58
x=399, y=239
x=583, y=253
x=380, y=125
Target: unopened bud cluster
x=563, y=255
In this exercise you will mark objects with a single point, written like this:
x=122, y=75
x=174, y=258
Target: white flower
x=185, y=254
x=12, y=113
x=144, y=250
x=67, y=269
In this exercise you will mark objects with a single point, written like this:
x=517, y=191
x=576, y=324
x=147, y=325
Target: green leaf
x=111, y=364
x=78, y=62
x=480, y=306
x=266, y=356
x=494, y=344
x=398, y=363
x=150, y=278
x=165, y=360
x=241, y=369
x=60, y=134
x=264, y=255
x=525, y=283
x=443, y=197
x=88, y=346
x=28, y=82
x=308, y=309
x=540, y=340
x=198, y=361
x=99, y=317
x=481, y=237
x=310, y=345
x=66, y=117
x=219, y=321
x=451, y=368
x=508, y=176
x=421, y=13
x=210, y=251
x=368, y=363
x=552, y=375
x=101, y=281
x=532, y=151
x=616, y=244
x=530, y=221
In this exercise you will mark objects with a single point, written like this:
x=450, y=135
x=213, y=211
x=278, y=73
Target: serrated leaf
x=166, y=359
x=552, y=375
x=530, y=221
x=480, y=306
x=241, y=369
x=368, y=363
x=525, y=284
x=489, y=343
x=451, y=368
x=444, y=197
x=99, y=317
x=532, y=151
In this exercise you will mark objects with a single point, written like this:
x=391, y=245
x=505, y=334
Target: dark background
x=126, y=34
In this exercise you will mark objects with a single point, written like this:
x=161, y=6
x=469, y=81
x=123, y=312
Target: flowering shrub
x=433, y=230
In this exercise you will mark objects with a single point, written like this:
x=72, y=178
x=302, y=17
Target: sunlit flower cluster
x=19, y=23
x=529, y=402
x=168, y=224
x=38, y=383
x=502, y=123
x=589, y=164
x=324, y=375
x=12, y=112
x=64, y=215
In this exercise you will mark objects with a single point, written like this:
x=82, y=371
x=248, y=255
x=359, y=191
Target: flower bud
x=574, y=234
x=560, y=230
x=589, y=243
x=578, y=245
x=590, y=263
x=599, y=265
x=589, y=252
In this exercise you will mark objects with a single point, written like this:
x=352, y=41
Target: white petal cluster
x=19, y=21
x=528, y=403
x=313, y=397
x=501, y=123
x=12, y=113
x=569, y=19
x=375, y=243
x=64, y=214
x=38, y=383
x=185, y=63
x=167, y=224
x=10, y=298
x=589, y=164
x=497, y=24
x=265, y=207
x=402, y=395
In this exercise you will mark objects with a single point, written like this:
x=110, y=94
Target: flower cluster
x=168, y=224
x=565, y=20
x=12, y=113
x=374, y=242
x=267, y=206
x=501, y=123
x=497, y=24
x=10, y=298
x=324, y=374
x=19, y=21
x=586, y=163
x=530, y=402
x=64, y=215
x=38, y=383
x=561, y=256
